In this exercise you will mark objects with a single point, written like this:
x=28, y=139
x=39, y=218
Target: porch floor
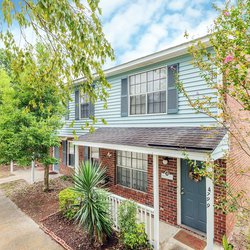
x=168, y=242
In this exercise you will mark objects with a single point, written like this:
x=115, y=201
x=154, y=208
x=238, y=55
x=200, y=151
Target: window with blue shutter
x=67, y=114
x=86, y=153
x=124, y=97
x=172, y=92
x=77, y=95
x=64, y=149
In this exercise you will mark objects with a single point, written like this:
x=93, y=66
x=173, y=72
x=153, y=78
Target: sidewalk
x=19, y=232
x=25, y=174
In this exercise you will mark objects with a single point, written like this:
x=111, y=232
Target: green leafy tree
x=72, y=45
x=93, y=212
x=32, y=109
x=71, y=32
x=226, y=69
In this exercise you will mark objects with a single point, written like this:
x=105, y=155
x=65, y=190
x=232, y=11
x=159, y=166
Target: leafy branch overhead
x=71, y=32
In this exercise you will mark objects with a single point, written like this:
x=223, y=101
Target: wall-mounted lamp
x=109, y=155
x=165, y=161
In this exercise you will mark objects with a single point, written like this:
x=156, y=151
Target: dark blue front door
x=193, y=199
x=57, y=156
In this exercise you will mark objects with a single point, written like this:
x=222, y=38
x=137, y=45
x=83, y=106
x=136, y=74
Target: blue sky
x=136, y=28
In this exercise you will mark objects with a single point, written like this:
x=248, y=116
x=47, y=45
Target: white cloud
x=125, y=24
x=109, y=6
x=148, y=26
x=176, y=4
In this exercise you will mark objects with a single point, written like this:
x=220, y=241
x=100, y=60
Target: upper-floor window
x=132, y=170
x=84, y=107
x=147, y=92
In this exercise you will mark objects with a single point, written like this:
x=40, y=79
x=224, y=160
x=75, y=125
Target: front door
x=193, y=198
x=57, y=156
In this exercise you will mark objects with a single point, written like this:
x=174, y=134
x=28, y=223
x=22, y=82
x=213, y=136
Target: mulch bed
x=36, y=203
x=74, y=236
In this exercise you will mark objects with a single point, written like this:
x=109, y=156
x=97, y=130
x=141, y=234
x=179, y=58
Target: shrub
x=133, y=235
x=68, y=201
x=93, y=213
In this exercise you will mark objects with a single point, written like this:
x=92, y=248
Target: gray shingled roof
x=190, y=138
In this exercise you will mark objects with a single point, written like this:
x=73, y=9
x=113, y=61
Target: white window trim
x=146, y=103
x=90, y=151
x=79, y=106
x=68, y=153
x=131, y=169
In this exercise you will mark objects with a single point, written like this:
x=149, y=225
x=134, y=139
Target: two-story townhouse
x=149, y=127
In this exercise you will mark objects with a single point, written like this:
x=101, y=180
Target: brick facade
x=64, y=169
x=167, y=189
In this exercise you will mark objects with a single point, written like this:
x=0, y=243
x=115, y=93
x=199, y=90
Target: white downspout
x=156, y=202
x=11, y=167
x=76, y=158
x=210, y=213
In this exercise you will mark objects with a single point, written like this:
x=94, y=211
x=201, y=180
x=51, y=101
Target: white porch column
x=32, y=171
x=11, y=167
x=76, y=158
x=210, y=213
x=156, y=202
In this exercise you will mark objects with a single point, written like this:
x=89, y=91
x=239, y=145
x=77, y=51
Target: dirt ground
x=75, y=236
x=32, y=200
x=40, y=205
x=4, y=171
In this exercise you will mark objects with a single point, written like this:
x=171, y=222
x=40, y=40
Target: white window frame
x=146, y=93
x=131, y=168
x=91, y=152
x=87, y=101
x=68, y=152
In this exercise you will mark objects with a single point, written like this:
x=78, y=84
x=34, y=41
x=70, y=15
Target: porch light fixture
x=165, y=161
x=109, y=155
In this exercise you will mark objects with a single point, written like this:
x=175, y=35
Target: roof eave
x=156, y=57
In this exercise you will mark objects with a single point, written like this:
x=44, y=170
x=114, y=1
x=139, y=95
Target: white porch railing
x=145, y=215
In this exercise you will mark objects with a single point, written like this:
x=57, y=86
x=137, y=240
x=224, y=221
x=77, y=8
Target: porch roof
x=196, y=139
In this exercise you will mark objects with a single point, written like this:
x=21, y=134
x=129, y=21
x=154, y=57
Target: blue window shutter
x=64, y=146
x=86, y=153
x=67, y=114
x=77, y=104
x=124, y=97
x=172, y=92
x=91, y=109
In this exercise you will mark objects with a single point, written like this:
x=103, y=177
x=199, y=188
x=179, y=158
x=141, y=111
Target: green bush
x=133, y=234
x=68, y=202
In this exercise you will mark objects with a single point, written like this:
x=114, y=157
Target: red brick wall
x=167, y=188
x=168, y=192
x=238, y=161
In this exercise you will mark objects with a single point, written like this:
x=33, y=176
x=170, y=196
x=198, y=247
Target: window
x=67, y=114
x=94, y=154
x=71, y=154
x=132, y=170
x=148, y=92
x=84, y=107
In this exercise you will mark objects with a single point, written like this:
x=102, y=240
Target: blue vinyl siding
x=186, y=116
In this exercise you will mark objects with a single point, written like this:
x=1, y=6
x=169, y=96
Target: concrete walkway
x=25, y=174
x=19, y=232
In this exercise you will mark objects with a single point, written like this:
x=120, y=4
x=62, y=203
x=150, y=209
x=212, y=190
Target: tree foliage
x=224, y=63
x=72, y=34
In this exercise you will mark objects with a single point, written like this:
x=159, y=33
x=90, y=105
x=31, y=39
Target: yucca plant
x=93, y=212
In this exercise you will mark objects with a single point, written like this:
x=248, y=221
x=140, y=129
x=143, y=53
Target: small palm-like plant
x=93, y=212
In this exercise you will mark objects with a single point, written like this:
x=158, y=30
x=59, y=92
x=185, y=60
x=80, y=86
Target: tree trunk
x=46, y=178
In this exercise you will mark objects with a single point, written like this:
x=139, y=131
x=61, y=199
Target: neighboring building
x=150, y=125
